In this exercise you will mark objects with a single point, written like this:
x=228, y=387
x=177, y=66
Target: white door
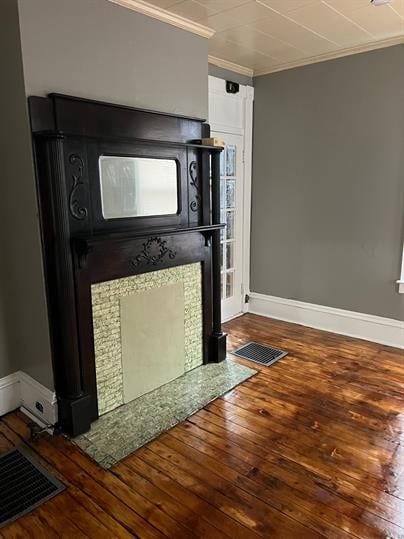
x=230, y=118
x=231, y=213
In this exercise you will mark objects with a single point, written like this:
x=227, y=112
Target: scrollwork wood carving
x=76, y=210
x=193, y=172
x=153, y=253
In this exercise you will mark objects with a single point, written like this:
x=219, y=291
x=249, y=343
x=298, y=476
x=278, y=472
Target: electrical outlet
x=39, y=406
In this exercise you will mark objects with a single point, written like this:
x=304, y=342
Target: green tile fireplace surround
x=112, y=338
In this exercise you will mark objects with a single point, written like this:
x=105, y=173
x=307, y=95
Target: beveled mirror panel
x=137, y=186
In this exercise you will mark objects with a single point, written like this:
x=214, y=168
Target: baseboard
x=20, y=390
x=224, y=320
x=362, y=326
x=38, y=399
x=9, y=393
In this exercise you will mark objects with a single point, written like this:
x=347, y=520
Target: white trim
x=332, y=55
x=362, y=326
x=32, y=392
x=9, y=393
x=217, y=86
x=20, y=390
x=166, y=16
x=225, y=64
x=400, y=281
x=248, y=139
x=229, y=318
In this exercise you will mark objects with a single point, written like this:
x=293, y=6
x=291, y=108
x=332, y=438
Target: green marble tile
x=120, y=432
x=106, y=310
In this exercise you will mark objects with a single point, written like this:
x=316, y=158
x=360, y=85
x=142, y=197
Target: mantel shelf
x=153, y=142
x=93, y=240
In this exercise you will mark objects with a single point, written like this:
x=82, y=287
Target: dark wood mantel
x=82, y=248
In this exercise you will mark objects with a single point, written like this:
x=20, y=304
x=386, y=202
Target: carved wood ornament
x=193, y=172
x=76, y=211
x=153, y=252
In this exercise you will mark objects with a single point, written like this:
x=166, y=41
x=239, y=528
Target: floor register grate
x=24, y=485
x=259, y=353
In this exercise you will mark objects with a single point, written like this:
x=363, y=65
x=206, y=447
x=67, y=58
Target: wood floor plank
x=285, y=482
x=282, y=499
x=311, y=447
x=121, y=509
x=39, y=524
x=36, y=527
x=14, y=531
x=4, y=444
x=252, y=512
x=149, y=511
x=81, y=498
x=362, y=406
x=325, y=459
x=325, y=452
x=180, y=513
x=227, y=525
x=196, y=485
x=374, y=423
x=243, y=437
x=83, y=519
x=358, y=444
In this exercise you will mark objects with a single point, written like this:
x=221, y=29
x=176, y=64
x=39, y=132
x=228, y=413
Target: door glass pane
x=230, y=198
x=230, y=160
x=222, y=163
x=229, y=284
x=229, y=255
x=222, y=193
x=230, y=225
x=222, y=220
x=221, y=285
x=230, y=194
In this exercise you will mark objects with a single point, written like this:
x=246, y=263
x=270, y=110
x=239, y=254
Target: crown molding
x=225, y=64
x=166, y=16
x=382, y=44
x=190, y=26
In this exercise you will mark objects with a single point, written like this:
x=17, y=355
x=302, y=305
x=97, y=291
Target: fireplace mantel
x=82, y=248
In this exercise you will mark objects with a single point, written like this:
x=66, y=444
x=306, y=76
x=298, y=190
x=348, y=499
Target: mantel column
x=218, y=338
x=73, y=402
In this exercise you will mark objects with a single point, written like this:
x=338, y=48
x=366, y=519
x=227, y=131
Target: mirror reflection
x=138, y=186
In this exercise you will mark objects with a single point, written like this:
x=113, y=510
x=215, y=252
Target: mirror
x=138, y=186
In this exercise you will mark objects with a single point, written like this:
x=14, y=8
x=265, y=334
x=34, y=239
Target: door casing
x=233, y=114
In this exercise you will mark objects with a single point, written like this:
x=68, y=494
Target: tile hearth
x=120, y=432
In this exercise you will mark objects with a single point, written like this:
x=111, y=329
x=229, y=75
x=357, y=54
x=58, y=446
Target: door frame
x=240, y=123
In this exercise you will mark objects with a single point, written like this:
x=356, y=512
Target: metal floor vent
x=24, y=485
x=259, y=353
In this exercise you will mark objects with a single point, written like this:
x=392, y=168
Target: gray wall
x=225, y=74
x=24, y=341
x=93, y=48
x=5, y=366
x=328, y=183
x=90, y=48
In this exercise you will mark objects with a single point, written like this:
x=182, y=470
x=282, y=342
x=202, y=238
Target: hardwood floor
x=310, y=447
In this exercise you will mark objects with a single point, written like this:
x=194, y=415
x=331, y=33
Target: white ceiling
x=270, y=35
